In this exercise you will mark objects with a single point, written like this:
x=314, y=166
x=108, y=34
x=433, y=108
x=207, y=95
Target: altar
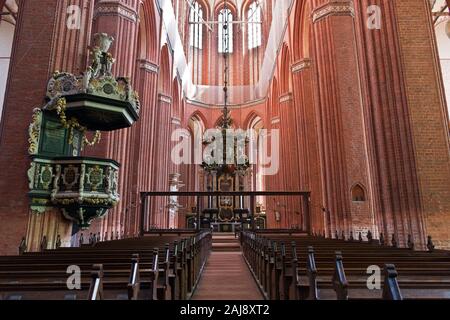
x=225, y=227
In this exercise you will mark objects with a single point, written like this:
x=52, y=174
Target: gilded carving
x=31, y=174
x=46, y=176
x=35, y=132
x=82, y=177
x=56, y=181
x=95, y=177
x=70, y=177
x=38, y=210
x=83, y=188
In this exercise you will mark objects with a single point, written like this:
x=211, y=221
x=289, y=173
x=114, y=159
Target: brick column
x=305, y=115
x=119, y=18
x=342, y=128
x=426, y=117
x=290, y=158
x=161, y=156
x=143, y=141
x=43, y=44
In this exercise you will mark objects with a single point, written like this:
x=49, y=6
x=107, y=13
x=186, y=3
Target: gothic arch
x=285, y=70
x=275, y=96
x=197, y=42
x=165, y=72
x=205, y=5
x=200, y=116
x=359, y=193
x=251, y=118
x=230, y=5
x=7, y=30
x=300, y=33
x=176, y=99
x=219, y=120
x=255, y=122
x=148, y=32
x=246, y=4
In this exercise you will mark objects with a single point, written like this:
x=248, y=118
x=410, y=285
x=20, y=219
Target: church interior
x=150, y=147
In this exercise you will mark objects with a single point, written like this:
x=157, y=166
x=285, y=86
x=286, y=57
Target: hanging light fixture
x=240, y=163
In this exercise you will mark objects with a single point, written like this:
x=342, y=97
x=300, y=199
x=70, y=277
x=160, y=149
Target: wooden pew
x=159, y=273
x=420, y=272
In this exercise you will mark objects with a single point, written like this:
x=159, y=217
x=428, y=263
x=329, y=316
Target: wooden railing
x=145, y=217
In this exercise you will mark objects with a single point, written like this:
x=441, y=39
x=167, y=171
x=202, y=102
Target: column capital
x=148, y=65
x=334, y=8
x=286, y=97
x=115, y=8
x=164, y=98
x=176, y=121
x=301, y=65
x=276, y=120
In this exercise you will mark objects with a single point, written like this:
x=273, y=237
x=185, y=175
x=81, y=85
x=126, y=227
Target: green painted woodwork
x=54, y=140
x=101, y=113
x=84, y=188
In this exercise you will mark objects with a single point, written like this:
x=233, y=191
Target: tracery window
x=196, y=25
x=225, y=31
x=254, y=19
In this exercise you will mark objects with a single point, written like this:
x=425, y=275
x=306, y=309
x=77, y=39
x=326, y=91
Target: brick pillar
x=395, y=185
x=42, y=45
x=290, y=159
x=305, y=112
x=161, y=156
x=119, y=18
x=143, y=141
x=285, y=164
x=276, y=182
x=427, y=116
x=342, y=129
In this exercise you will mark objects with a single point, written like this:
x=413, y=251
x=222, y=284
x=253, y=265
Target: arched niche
x=165, y=72
x=358, y=193
x=285, y=70
x=7, y=29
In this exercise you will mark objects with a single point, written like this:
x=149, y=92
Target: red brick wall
x=368, y=110
x=427, y=114
x=30, y=63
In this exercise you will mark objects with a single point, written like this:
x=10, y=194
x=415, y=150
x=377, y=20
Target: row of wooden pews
x=162, y=265
x=292, y=265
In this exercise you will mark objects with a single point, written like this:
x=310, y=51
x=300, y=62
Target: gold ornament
x=74, y=124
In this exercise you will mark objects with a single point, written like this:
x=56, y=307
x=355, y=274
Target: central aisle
x=226, y=275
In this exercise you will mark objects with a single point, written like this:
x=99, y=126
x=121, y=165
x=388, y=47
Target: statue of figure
x=103, y=41
x=107, y=64
x=102, y=59
x=96, y=66
x=87, y=76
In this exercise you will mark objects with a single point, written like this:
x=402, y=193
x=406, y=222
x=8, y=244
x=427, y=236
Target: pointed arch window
x=196, y=25
x=254, y=18
x=225, y=31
